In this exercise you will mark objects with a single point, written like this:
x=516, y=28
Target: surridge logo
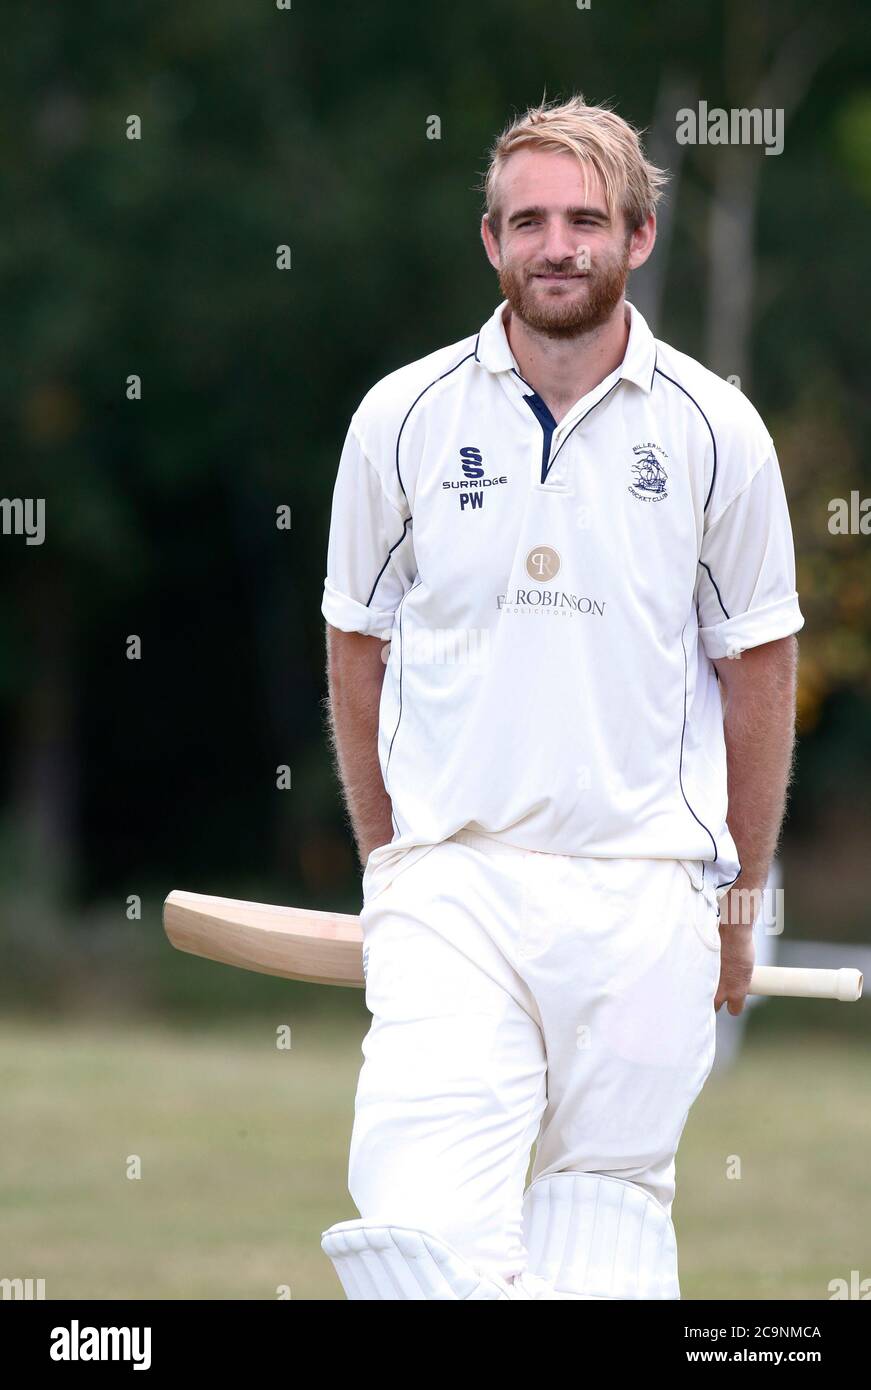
x=76, y=1343
x=472, y=462
x=472, y=465
x=649, y=473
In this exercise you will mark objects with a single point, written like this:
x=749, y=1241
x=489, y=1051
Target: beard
x=566, y=314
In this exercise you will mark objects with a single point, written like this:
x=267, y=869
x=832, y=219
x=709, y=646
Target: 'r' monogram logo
x=543, y=563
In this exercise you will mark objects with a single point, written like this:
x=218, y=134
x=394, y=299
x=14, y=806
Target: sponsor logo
x=543, y=563
x=472, y=462
x=472, y=468
x=550, y=601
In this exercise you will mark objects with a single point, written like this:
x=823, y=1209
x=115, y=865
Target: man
x=577, y=542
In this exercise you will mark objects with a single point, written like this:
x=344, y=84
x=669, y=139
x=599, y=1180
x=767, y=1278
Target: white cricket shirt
x=554, y=595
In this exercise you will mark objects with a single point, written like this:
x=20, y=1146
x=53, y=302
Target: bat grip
x=797, y=983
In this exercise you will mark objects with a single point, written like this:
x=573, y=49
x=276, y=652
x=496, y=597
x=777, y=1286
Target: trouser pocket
x=384, y=865
x=375, y=875
x=704, y=904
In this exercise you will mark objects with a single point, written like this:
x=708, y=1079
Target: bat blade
x=323, y=948
x=326, y=948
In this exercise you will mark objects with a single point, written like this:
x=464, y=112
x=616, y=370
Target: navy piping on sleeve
x=387, y=561
x=468, y=358
x=682, y=735
x=399, y=475
x=716, y=589
x=659, y=372
x=727, y=882
x=399, y=716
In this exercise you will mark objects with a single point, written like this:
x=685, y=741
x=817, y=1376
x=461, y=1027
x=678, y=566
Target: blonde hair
x=599, y=139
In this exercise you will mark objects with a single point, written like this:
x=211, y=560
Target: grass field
x=243, y=1161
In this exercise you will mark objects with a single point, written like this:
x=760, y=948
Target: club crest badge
x=649, y=477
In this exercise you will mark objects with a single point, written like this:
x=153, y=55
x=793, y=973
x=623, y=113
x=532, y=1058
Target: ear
x=491, y=244
x=642, y=242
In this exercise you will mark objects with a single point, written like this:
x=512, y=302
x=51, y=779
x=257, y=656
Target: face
x=562, y=260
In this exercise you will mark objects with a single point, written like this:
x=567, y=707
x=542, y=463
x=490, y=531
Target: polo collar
x=493, y=350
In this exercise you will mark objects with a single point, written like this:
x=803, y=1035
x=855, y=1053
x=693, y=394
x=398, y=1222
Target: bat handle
x=797, y=983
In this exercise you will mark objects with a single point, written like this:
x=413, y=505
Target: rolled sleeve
x=746, y=592
x=349, y=615
x=369, y=559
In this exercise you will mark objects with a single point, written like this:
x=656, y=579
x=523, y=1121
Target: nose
x=561, y=243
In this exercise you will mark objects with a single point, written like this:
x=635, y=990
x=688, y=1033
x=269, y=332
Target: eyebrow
x=598, y=214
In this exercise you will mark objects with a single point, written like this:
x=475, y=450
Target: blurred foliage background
x=157, y=257
x=308, y=127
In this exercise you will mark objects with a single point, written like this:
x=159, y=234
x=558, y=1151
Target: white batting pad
x=591, y=1236
x=377, y=1262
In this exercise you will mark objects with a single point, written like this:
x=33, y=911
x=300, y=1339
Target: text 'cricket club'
x=649, y=472
x=543, y=563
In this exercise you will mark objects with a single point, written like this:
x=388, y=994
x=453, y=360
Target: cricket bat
x=326, y=948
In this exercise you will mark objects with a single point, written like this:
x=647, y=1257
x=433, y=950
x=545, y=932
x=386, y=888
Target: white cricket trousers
x=515, y=996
